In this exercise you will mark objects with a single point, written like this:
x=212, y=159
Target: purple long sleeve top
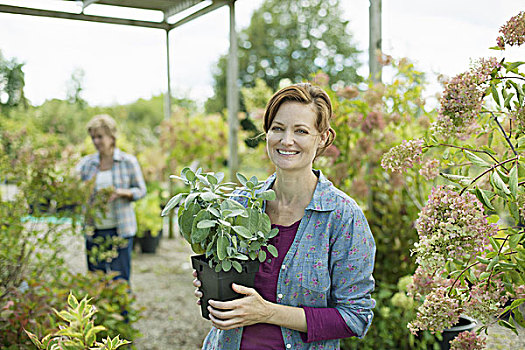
x=322, y=323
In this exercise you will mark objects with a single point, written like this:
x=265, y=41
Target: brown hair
x=103, y=122
x=307, y=94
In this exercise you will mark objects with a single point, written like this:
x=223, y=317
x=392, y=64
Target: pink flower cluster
x=463, y=97
x=513, y=32
x=424, y=281
x=450, y=226
x=468, y=340
x=439, y=311
x=485, y=303
x=403, y=156
x=430, y=170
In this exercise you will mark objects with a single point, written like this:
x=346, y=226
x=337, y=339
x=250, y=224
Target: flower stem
x=504, y=133
x=487, y=171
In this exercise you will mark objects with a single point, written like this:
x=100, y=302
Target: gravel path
x=170, y=318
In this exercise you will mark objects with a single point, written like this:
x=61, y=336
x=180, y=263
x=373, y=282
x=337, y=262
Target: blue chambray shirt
x=126, y=174
x=329, y=264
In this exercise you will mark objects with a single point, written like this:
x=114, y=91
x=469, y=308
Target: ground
x=171, y=319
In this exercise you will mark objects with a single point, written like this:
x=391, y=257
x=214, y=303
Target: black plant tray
x=217, y=285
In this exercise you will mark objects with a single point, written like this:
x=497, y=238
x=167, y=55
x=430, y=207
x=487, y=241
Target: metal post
x=233, y=96
x=374, y=44
x=167, y=115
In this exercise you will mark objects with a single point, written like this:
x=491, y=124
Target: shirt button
x=288, y=346
x=283, y=267
x=280, y=296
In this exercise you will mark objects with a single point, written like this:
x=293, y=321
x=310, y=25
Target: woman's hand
x=250, y=309
x=120, y=193
x=197, y=284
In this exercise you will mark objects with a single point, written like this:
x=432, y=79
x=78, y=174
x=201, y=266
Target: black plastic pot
x=149, y=243
x=217, y=285
x=465, y=324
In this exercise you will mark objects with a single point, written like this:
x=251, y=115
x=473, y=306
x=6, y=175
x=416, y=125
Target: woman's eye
x=300, y=131
x=277, y=128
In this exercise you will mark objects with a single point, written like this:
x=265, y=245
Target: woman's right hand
x=197, y=283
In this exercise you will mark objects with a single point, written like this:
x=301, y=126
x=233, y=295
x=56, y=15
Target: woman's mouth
x=287, y=153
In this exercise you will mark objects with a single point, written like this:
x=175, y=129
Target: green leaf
x=209, y=196
x=243, y=180
x=226, y=265
x=186, y=216
x=237, y=266
x=188, y=174
x=513, y=180
x=498, y=183
x=254, y=180
x=262, y=255
x=506, y=103
x=212, y=179
x=264, y=223
x=273, y=232
x=172, y=203
x=495, y=94
x=242, y=231
x=272, y=250
x=206, y=223
x=268, y=195
x=483, y=198
x=477, y=160
x=237, y=212
x=508, y=325
x=513, y=65
x=515, y=239
x=199, y=234
x=463, y=180
x=222, y=244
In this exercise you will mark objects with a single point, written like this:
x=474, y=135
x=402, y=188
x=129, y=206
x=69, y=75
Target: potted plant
x=147, y=211
x=227, y=236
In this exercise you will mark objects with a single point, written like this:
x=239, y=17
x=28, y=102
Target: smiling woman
x=317, y=289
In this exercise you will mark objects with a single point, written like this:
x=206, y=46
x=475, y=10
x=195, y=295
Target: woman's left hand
x=250, y=309
x=120, y=193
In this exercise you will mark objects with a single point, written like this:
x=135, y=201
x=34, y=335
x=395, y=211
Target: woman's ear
x=324, y=138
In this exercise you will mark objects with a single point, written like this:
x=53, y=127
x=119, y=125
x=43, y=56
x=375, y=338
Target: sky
x=123, y=63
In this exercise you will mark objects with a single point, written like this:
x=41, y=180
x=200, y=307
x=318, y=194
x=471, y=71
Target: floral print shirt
x=329, y=264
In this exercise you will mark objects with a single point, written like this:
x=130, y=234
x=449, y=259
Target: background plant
x=473, y=220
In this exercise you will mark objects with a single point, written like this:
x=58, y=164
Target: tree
x=291, y=39
x=12, y=83
x=75, y=87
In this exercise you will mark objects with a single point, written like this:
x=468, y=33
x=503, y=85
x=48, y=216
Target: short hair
x=307, y=94
x=104, y=122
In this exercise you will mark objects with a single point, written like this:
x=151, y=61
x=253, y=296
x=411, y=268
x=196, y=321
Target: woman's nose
x=287, y=138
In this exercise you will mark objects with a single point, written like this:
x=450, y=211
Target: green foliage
x=290, y=39
x=189, y=138
x=77, y=330
x=220, y=227
x=147, y=211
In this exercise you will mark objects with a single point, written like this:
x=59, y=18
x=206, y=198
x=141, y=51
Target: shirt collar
x=321, y=200
x=117, y=156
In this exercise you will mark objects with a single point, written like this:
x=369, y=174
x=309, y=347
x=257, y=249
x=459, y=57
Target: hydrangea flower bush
x=470, y=253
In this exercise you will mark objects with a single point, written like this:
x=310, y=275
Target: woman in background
x=119, y=174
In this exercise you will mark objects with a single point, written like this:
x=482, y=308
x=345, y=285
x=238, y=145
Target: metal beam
x=233, y=97
x=179, y=7
x=86, y=3
x=215, y=5
x=82, y=17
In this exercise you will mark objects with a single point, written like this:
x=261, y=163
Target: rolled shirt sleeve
x=137, y=184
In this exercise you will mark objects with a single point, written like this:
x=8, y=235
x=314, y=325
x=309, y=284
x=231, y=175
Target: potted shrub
x=227, y=236
x=147, y=211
